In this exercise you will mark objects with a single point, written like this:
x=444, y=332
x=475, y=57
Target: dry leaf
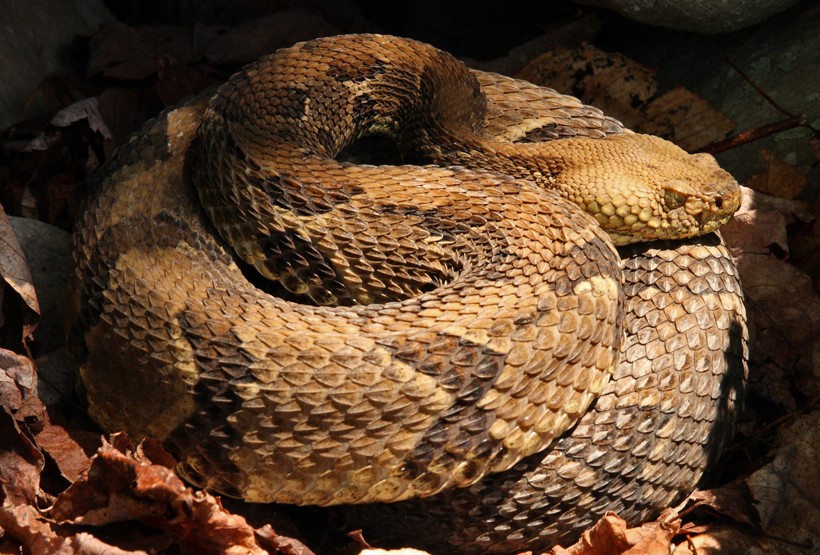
x=273, y=542
x=87, y=109
x=122, y=485
x=684, y=118
x=626, y=90
x=609, y=81
x=20, y=460
x=717, y=540
x=730, y=501
x=768, y=485
x=16, y=274
x=37, y=534
x=69, y=455
x=778, y=178
x=786, y=492
x=783, y=307
x=610, y=536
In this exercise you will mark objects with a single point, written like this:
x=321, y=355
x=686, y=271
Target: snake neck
x=637, y=187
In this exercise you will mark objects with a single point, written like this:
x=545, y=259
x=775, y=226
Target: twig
x=793, y=120
x=755, y=134
x=759, y=89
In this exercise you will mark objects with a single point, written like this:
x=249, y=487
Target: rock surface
x=700, y=16
x=34, y=37
x=776, y=55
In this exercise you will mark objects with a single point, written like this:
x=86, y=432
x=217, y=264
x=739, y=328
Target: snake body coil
x=433, y=325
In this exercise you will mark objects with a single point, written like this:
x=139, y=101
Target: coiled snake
x=432, y=326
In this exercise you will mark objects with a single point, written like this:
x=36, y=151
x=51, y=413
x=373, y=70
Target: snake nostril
x=718, y=202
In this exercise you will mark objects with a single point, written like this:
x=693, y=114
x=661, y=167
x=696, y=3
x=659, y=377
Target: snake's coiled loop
x=433, y=325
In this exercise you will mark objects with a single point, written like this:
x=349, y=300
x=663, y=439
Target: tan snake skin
x=466, y=318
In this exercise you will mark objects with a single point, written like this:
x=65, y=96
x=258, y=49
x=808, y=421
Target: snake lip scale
x=459, y=323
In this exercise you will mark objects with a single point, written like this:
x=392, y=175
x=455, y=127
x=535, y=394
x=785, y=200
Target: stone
x=34, y=38
x=699, y=16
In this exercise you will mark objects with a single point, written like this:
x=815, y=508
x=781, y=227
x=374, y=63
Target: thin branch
x=759, y=89
x=755, y=134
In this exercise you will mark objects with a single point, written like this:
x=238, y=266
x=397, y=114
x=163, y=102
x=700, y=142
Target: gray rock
x=780, y=56
x=34, y=35
x=700, y=16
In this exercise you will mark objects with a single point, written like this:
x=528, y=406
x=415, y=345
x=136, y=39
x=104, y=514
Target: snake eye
x=673, y=199
x=676, y=192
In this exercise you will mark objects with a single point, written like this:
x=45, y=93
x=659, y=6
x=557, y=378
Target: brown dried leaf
x=48, y=161
x=784, y=311
x=610, y=81
x=768, y=485
x=779, y=178
x=273, y=542
x=783, y=307
x=730, y=501
x=626, y=90
x=18, y=387
x=759, y=226
x=684, y=118
x=58, y=443
x=610, y=536
x=86, y=109
x=717, y=540
x=793, y=472
x=121, y=485
x=16, y=274
x=781, y=498
x=38, y=536
x=20, y=460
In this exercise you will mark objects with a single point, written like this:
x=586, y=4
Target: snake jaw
x=704, y=208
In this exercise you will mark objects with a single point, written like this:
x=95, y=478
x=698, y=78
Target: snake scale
x=453, y=324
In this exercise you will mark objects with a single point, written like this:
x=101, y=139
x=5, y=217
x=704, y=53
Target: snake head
x=651, y=189
x=703, y=200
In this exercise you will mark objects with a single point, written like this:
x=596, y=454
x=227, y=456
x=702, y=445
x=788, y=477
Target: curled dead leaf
x=627, y=90
x=786, y=492
x=20, y=460
x=39, y=536
x=63, y=448
x=717, y=540
x=16, y=275
x=684, y=118
x=778, y=178
x=87, y=109
x=611, y=536
x=607, y=80
x=768, y=485
x=122, y=484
